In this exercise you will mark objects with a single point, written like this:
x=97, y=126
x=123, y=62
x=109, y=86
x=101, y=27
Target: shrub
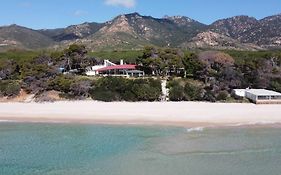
x=186, y=90
x=71, y=87
x=145, y=89
x=9, y=88
x=108, y=89
x=176, y=92
x=222, y=96
x=209, y=94
x=9, y=69
x=80, y=89
x=275, y=84
x=193, y=91
x=61, y=83
x=118, y=89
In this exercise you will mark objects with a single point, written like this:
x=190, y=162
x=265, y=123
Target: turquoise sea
x=79, y=149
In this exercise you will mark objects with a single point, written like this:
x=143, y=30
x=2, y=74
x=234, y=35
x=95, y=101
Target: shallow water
x=68, y=149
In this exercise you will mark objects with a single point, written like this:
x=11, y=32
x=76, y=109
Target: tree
x=192, y=65
x=147, y=62
x=161, y=62
x=75, y=57
x=36, y=74
x=216, y=60
x=173, y=61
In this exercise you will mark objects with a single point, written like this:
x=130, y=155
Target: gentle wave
x=196, y=129
x=226, y=152
x=39, y=122
x=6, y=121
x=256, y=123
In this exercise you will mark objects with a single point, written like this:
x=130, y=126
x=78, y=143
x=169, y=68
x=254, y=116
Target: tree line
x=212, y=75
x=193, y=76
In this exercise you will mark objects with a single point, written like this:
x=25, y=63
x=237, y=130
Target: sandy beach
x=170, y=113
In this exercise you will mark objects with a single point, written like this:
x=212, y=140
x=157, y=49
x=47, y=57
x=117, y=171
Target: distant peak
x=86, y=23
x=244, y=17
x=14, y=25
x=240, y=17
x=174, y=17
x=127, y=16
x=272, y=17
x=133, y=14
x=178, y=17
x=121, y=17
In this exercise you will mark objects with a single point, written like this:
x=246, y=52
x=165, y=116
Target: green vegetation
x=121, y=89
x=162, y=62
x=275, y=84
x=116, y=56
x=186, y=90
x=18, y=55
x=71, y=87
x=194, y=76
x=9, y=88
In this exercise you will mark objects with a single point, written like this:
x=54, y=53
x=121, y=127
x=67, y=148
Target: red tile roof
x=118, y=67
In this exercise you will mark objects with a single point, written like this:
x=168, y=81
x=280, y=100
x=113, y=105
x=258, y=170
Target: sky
x=43, y=14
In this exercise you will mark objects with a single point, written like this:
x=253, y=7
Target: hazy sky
x=39, y=14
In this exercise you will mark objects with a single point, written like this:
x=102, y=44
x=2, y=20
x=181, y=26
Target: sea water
x=77, y=149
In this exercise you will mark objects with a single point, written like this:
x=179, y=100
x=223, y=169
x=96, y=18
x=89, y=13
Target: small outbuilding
x=260, y=96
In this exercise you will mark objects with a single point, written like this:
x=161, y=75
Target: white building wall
x=251, y=96
x=260, y=96
x=93, y=71
x=240, y=92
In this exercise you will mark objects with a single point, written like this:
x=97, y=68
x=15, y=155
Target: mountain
x=115, y=34
x=133, y=31
x=189, y=26
x=236, y=27
x=212, y=40
x=15, y=36
x=265, y=33
x=270, y=31
x=160, y=32
x=72, y=32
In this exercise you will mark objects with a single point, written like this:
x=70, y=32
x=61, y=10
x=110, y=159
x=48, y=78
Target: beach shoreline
x=142, y=113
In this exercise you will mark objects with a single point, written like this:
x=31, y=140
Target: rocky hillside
x=270, y=33
x=133, y=31
x=15, y=36
x=265, y=33
x=212, y=40
x=72, y=32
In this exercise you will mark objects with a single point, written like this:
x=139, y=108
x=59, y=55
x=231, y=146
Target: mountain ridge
x=133, y=31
